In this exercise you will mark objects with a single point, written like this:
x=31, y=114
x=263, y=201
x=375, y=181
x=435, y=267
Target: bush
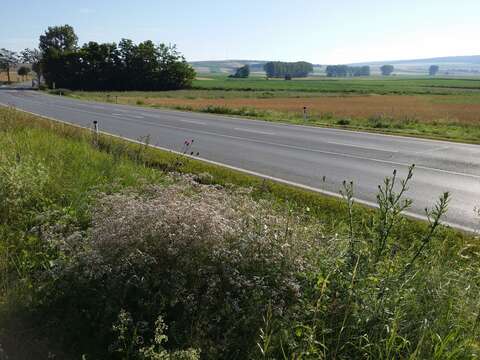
x=193, y=253
x=343, y=122
x=379, y=121
x=244, y=111
x=61, y=92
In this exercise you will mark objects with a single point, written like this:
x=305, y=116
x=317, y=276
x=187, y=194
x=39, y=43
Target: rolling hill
x=449, y=65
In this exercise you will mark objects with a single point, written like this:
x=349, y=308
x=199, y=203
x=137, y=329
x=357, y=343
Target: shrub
x=209, y=261
x=129, y=343
x=379, y=121
x=62, y=92
x=343, y=122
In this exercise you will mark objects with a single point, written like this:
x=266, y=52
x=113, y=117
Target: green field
x=371, y=85
x=110, y=250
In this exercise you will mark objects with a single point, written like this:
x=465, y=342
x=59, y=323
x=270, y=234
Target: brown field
x=424, y=108
x=14, y=77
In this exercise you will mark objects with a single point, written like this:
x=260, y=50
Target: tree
x=387, y=70
x=126, y=66
x=433, y=70
x=34, y=58
x=242, y=72
x=281, y=69
x=23, y=71
x=58, y=38
x=8, y=60
x=344, y=70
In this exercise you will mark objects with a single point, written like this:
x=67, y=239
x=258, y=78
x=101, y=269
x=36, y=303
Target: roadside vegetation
x=112, y=249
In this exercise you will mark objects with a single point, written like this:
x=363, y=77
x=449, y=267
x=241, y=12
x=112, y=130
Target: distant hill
x=472, y=59
x=226, y=66
x=449, y=65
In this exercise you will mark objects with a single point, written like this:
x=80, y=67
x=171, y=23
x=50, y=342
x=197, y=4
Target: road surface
x=299, y=154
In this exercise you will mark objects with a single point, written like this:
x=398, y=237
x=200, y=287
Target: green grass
x=381, y=300
x=373, y=85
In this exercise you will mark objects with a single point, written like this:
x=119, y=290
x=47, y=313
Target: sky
x=318, y=31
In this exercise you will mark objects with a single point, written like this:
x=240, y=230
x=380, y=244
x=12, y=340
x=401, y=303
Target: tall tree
x=8, y=60
x=59, y=38
x=433, y=70
x=387, y=70
x=94, y=66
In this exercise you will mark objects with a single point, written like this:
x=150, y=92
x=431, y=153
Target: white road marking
x=362, y=146
x=255, y=131
x=433, y=150
x=190, y=121
x=114, y=114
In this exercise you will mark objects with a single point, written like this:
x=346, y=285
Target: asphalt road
x=298, y=154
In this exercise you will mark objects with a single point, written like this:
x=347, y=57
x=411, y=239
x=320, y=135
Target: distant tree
x=345, y=71
x=23, y=71
x=33, y=57
x=387, y=70
x=8, y=60
x=433, y=70
x=337, y=70
x=280, y=69
x=242, y=72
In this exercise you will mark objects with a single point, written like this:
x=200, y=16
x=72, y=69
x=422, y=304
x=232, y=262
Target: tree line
x=346, y=71
x=108, y=66
x=277, y=69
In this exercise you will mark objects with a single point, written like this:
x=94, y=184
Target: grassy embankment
x=434, y=108
x=104, y=245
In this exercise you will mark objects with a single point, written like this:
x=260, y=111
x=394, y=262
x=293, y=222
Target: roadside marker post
x=305, y=113
x=95, y=132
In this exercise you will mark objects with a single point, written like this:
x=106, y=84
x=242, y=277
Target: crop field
x=13, y=77
x=370, y=85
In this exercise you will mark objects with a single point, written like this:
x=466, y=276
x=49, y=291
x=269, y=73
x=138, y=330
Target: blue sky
x=340, y=31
